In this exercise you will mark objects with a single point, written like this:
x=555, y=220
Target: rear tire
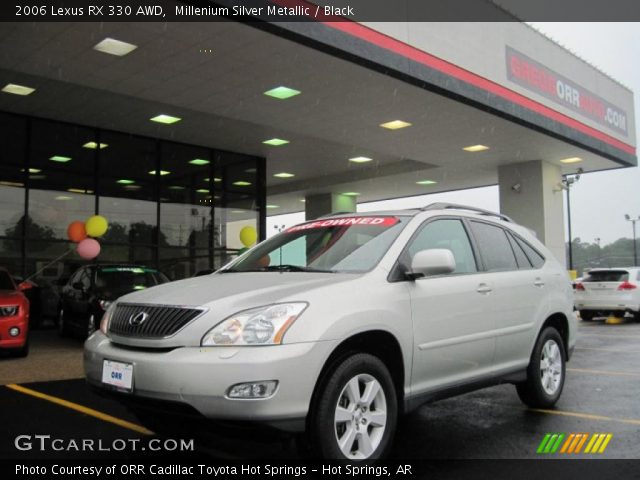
x=355, y=415
x=546, y=371
x=586, y=316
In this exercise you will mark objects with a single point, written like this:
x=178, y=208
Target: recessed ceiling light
x=17, y=89
x=162, y=172
x=241, y=183
x=60, y=158
x=276, y=142
x=64, y=197
x=271, y=207
x=360, y=159
x=476, y=148
x=282, y=92
x=94, y=145
x=351, y=194
x=198, y=161
x=114, y=47
x=284, y=175
x=395, y=124
x=125, y=181
x=426, y=182
x=251, y=170
x=165, y=119
x=217, y=180
x=571, y=160
x=202, y=190
x=32, y=170
x=79, y=190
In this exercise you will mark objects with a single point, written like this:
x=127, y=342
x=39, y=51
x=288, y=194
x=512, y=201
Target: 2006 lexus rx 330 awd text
x=337, y=326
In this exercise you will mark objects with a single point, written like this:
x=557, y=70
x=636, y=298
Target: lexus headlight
x=106, y=318
x=258, y=326
x=9, y=311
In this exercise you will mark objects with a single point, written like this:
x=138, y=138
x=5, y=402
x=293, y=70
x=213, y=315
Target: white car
x=608, y=291
x=339, y=325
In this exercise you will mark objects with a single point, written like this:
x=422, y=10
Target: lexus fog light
x=14, y=331
x=253, y=389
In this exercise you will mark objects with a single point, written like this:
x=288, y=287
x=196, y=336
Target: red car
x=14, y=317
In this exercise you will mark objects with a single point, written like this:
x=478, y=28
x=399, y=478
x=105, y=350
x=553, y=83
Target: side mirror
x=434, y=261
x=23, y=286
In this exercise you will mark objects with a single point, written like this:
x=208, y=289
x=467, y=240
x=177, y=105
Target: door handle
x=484, y=288
x=538, y=283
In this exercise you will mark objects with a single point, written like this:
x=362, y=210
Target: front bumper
x=609, y=305
x=201, y=376
x=6, y=323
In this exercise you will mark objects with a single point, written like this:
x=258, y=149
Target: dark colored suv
x=92, y=288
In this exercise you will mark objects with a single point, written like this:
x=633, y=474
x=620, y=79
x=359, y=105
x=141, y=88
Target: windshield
x=607, y=276
x=113, y=282
x=5, y=281
x=348, y=244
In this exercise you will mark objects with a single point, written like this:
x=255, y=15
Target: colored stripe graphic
x=573, y=443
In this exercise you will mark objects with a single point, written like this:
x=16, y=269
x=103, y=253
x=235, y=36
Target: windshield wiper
x=278, y=268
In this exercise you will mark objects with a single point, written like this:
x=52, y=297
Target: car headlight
x=106, y=318
x=104, y=304
x=9, y=311
x=258, y=326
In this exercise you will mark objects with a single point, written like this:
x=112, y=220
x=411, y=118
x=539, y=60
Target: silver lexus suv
x=337, y=326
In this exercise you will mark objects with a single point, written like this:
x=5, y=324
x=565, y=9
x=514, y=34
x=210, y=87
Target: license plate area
x=118, y=375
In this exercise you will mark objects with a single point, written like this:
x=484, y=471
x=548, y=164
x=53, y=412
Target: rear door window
x=494, y=247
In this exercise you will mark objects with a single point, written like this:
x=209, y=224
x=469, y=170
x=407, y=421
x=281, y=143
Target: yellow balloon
x=248, y=236
x=96, y=226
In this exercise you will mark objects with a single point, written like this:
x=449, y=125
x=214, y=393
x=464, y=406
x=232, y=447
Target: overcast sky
x=599, y=200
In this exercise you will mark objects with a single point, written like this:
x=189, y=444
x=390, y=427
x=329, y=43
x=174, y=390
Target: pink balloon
x=88, y=248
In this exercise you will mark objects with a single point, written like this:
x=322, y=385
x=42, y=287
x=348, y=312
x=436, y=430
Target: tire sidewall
x=322, y=431
x=535, y=380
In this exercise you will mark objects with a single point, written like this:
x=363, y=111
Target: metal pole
x=635, y=249
x=569, y=224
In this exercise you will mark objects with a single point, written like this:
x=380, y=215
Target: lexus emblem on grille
x=138, y=319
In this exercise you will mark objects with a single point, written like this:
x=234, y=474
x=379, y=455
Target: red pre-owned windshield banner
x=346, y=222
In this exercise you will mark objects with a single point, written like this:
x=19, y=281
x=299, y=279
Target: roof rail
x=453, y=206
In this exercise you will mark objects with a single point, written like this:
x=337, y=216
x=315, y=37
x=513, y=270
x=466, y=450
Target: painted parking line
x=604, y=372
x=587, y=416
x=81, y=408
x=595, y=349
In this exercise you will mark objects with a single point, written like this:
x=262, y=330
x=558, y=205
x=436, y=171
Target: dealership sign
x=537, y=78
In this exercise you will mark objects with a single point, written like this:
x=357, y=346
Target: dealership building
x=181, y=134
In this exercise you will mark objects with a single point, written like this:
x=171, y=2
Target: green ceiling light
x=199, y=161
x=360, y=159
x=60, y=158
x=426, y=182
x=162, y=172
x=202, y=190
x=125, y=181
x=94, y=145
x=282, y=92
x=284, y=175
x=276, y=142
x=351, y=194
x=241, y=183
x=32, y=170
x=114, y=47
x=165, y=119
x=17, y=89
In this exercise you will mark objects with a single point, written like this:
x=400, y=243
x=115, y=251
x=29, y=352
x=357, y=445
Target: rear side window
x=521, y=257
x=607, y=276
x=494, y=247
x=535, y=258
x=449, y=234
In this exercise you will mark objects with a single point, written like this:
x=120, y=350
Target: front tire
x=546, y=371
x=356, y=413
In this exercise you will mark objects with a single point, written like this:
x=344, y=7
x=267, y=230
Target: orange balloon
x=76, y=232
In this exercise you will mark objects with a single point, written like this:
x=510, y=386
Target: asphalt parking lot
x=45, y=394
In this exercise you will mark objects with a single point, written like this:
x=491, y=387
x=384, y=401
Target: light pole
x=635, y=248
x=567, y=182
